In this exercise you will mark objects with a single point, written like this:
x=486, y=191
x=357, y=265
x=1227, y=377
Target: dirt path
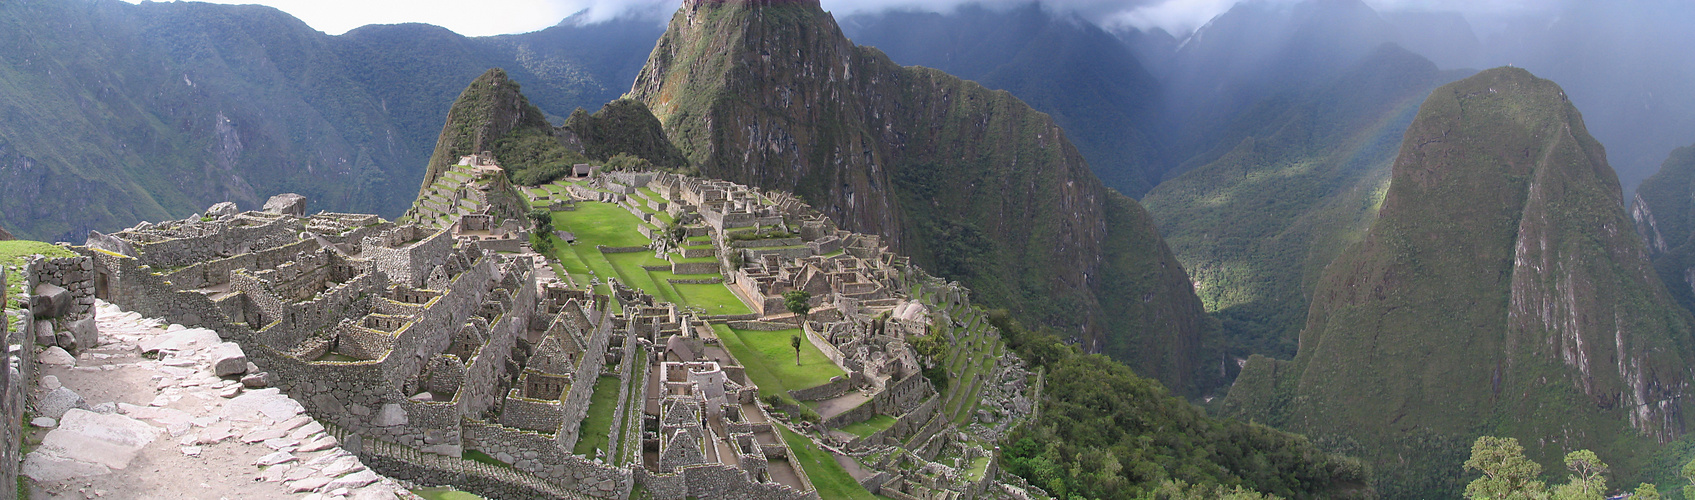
x=132, y=427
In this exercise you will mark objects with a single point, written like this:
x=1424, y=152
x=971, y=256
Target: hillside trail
x=134, y=426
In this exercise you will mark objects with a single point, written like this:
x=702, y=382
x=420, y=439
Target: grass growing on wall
x=828, y=477
x=869, y=427
x=598, y=423
x=14, y=254
x=445, y=493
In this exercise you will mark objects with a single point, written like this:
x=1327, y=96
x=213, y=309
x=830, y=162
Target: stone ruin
x=423, y=345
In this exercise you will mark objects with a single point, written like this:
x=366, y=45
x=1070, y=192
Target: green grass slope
x=1293, y=182
x=971, y=182
x=1500, y=291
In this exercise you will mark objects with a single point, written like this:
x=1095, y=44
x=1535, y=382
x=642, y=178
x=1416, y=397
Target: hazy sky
x=493, y=17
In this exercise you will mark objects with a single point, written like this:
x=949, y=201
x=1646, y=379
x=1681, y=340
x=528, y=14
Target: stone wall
x=800, y=252
x=403, y=261
x=837, y=386
x=215, y=240
x=74, y=274
x=535, y=453
x=575, y=404
x=217, y=272
x=16, y=372
x=695, y=268
x=487, y=480
x=829, y=350
x=530, y=414
x=765, y=243
x=906, y=425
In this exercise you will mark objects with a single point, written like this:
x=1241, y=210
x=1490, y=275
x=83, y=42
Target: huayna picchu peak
x=1501, y=291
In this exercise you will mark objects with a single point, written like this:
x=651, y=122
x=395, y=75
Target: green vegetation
x=1106, y=433
x=876, y=424
x=625, y=135
x=445, y=493
x=826, y=475
x=770, y=360
x=598, y=424
x=478, y=456
x=595, y=223
x=1665, y=201
x=798, y=302
x=1469, y=228
x=1507, y=474
x=1291, y=183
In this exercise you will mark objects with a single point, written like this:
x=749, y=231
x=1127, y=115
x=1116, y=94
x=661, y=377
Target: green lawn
x=15, y=253
x=629, y=269
x=770, y=361
x=598, y=423
x=445, y=493
x=828, y=477
x=606, y=224
x=979, y=466
x=596, y=223
x=713, y=298
x=870, y=427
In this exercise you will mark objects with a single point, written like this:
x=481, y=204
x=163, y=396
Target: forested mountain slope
x=1084, y=77
x=1291, y=183
x=1501, y=291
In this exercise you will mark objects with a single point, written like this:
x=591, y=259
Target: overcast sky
x=494, y=17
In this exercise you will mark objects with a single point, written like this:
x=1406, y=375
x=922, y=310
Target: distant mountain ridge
x=153, y=111
x=1086, y=78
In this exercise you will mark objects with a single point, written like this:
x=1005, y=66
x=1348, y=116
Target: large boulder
x=287, y=204
x=4, y=235
x=228, y=208
x=227, y=359
x=44, y=333
x=56, y=402
x=86, y=333
x=50, y=301
x=56, y=356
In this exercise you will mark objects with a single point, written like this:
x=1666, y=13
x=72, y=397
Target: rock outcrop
x=972, y=183
x=1664, y=212
x=1501, y=291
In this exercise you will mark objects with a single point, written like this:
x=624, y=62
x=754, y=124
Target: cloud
x=494, y=17
x=466, y=17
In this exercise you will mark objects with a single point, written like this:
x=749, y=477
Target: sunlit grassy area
x=870, y=427
x=602, y=404
x=828, y=477
x=15, y=253
x=596, y=223
x=445, y=494
x=770, y=361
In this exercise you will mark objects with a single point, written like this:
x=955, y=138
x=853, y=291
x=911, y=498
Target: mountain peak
x=1502, y=212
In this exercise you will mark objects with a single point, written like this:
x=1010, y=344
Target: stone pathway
x=112, y=423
